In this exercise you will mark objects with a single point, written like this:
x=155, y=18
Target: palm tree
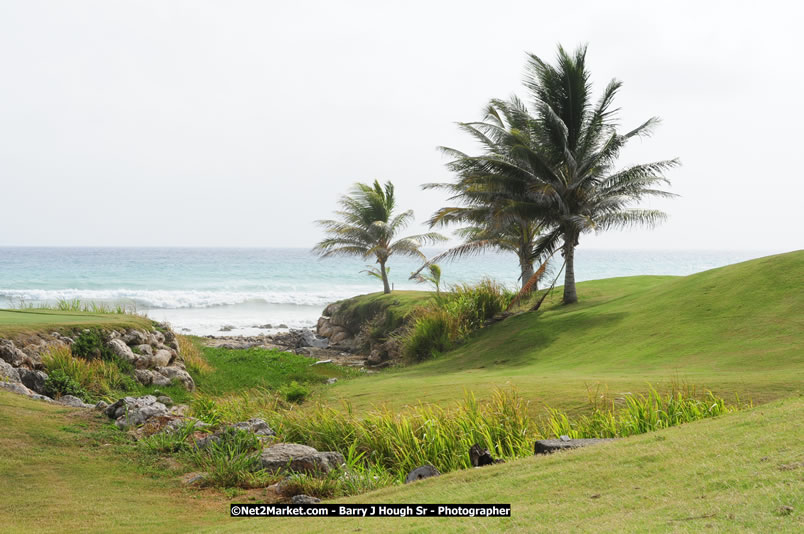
x=367, y=228
x=559, y=164
x=490, y=225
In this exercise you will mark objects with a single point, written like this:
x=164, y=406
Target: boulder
x=136, y=337
x=161, y=358
x=176, y=373
x=256, y=426
x=296, y=458
x=134, y=411
x=308, y=339
x=101, y=405
x=478, y=456
x=11, y=354
x=339, y=335
x=304, y=499
x=122, y=350
x=546, y=446
x=8, y=373
x=145, y=349
x=425, y=471
x=16, y=387
x=70, y=400
x=164, y=399
x=34, y=380
x=157, y=337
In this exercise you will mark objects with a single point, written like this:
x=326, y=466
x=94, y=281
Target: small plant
x=434, y=277
x=91, y=345
x=232, y=460
x=59, y=383
x=169, y=441
x=295, y=392
x=193, y=359
x=206, y=409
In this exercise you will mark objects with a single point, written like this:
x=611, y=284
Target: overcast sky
x=239, y=123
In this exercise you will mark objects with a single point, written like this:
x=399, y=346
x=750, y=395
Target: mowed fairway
x=735, y=330
x=21, y=322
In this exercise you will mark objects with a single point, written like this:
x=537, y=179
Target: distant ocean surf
x=200, y=290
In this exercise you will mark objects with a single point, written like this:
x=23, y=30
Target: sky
x=200, y=123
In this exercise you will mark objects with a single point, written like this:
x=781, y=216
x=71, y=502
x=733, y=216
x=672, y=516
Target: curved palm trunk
x=386, y=288
x=526, y=268
x=570, y=295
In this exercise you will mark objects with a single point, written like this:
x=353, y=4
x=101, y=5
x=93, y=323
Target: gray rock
x=425, y=471
x=8, y=373
x=304, y=499
x=164, y=399
x=256, y=426
x=16, y=387
x=283, y=325
x=34, y=380
x=161, y=358
x=136, y=337
x=145, y=349
x=121, y=349
x=546, y=446
x=331, y=381
x=157, y=337
x=11, y=354
x=175, y=373
x=135, y=411
x=193, y=479
x=227, y=328
x=478, y=456
x=70, y=400
x=308, y=339
x=101, y=405
x=296, y=458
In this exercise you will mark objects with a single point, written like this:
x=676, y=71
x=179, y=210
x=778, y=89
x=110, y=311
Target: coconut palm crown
x=367, y=227
x=558, y=165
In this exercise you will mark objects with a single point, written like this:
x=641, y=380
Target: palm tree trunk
x=526, y=267
x=570, y=295
x=386, y=288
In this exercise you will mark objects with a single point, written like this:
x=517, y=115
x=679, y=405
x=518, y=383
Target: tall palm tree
x=559, y=167
x=368, y=226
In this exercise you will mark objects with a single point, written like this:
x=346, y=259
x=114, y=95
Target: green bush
x=453, y=316
x=295, y=392
x=91, y=345
x=59, y=383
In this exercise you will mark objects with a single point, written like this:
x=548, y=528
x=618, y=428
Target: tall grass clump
x=232, y=460
x=94, y=377
x=640, y=414
x=425, y=434
x=193, y=358
x=452, y=316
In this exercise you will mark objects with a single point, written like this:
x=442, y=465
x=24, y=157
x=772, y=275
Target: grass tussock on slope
x=735, y=329
x=738, y=473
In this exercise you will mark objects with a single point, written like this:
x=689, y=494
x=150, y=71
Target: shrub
x=91, y=345
x=295, y=392
x=453, y=316
x=96, y=376
x=59, y=383
x=169, y=441
x=206, y=409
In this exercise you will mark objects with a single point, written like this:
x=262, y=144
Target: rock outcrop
x=296, y=458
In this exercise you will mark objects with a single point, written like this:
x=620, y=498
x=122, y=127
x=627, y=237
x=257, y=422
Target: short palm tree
x=367, y=227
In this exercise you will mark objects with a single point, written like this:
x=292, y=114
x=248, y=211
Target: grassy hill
x=736, y=330
x=71, y=472
x=32, y=321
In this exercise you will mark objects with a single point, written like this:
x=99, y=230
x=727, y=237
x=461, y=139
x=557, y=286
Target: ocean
x=201, y=290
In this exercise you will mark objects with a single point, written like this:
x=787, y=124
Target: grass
x=236, y=370
x=737, y=472
x=15, y=323
x=735, y=330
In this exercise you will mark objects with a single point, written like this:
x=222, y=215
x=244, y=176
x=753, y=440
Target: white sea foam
x=176, y=299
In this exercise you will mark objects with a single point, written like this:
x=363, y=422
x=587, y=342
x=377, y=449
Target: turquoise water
x=199, y=290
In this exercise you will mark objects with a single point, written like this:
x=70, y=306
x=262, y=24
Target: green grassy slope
x=68, y=473
x=18, y=322
x=737, y=329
